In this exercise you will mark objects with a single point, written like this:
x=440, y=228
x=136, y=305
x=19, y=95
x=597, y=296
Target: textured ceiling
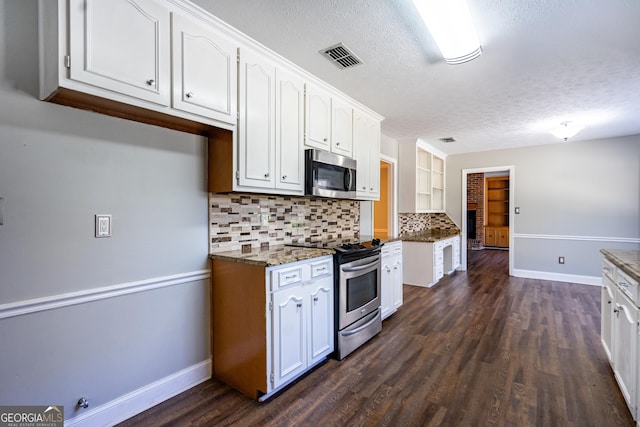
x=543, y=62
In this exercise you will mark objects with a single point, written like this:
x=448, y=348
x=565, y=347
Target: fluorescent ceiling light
x=449, y=22
x=567, y=130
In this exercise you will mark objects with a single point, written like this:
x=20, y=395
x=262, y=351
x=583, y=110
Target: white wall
x=81, y=316
x=574, y=198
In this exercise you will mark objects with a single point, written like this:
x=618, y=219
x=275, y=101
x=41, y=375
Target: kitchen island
x=429, y=255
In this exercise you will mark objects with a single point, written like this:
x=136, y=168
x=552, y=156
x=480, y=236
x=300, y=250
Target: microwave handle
x=347, y=179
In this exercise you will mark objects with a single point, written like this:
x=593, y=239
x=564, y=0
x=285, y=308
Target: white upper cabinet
x=341, y=128
x=256, y=134
x=204, y=70
x=366, y=151
x=158, y=62
x=121, y=46
x=328, y=122
x=318, y=118
x=289, y=131
x=271, y=126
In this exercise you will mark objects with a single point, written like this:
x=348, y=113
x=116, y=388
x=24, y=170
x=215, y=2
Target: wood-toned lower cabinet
x=496, y=236
x=269, y=325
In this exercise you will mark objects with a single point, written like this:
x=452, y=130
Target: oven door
x=359, y=290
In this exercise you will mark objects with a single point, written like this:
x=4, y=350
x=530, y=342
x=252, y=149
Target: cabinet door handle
x=284, y=177
x=337, y=143
x=623, y=284
x=324, y=140
x=189, y=94
x=266, y=175
x=315, y=299
x=151, y=82
x=299, y=305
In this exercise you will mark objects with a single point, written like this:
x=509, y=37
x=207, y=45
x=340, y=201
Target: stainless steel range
x=357, y=292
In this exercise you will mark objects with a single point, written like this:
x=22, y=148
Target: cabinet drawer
x=286, y=277
x=608, y=270
x=320, y=268
x=628, y=286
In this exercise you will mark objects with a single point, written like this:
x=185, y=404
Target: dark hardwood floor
x=480, y=348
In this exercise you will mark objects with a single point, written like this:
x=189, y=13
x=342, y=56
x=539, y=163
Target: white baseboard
x=558, y=277
x=140, y=400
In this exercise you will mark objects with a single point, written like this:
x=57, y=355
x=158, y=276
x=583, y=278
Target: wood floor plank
x=478, y=349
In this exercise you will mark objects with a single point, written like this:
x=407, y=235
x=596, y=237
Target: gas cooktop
x=347, y=244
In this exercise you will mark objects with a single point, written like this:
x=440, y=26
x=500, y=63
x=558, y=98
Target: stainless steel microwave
x=329, y=175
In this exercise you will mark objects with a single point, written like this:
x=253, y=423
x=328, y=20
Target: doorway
x=385, y=217
x=468, y=206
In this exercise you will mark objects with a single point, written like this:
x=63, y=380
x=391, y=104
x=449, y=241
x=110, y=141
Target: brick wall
x=475, y=195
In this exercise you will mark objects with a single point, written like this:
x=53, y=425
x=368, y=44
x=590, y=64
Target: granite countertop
x=273, y=256
x=628, y=261
x=429, y=236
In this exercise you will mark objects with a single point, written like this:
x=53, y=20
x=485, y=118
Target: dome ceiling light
x=567, y=130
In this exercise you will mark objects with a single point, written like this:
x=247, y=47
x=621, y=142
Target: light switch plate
x=103, y=225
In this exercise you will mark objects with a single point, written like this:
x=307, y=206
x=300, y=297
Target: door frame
x=512, y=178
x=393, y=188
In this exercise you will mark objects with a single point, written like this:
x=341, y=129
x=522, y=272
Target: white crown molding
x=35, y=305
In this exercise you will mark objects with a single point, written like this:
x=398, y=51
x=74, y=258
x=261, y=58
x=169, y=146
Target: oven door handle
x=359, y=328
x=359, y=267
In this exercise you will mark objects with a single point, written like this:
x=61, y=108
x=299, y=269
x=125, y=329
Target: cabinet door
x=289, y=131
x=122, y=46
x=289, y=335
x=386, y=285
x=490, y=236
x=373, y=132
x=607, y=305
x=366, y=152
x=397, y=277
x=205, y=70
x=256, y=132
x=317, y=118
x=625, y=346
x=341, y=128
x=503, y=237
x=321, y=333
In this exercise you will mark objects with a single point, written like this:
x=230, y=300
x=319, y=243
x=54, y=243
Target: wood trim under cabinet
x=220, y=161
x=84, y=101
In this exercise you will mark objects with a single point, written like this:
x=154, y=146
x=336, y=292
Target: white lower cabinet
x=391, y=281
x=620, y=330
x=269, y=325
x=425, y=263
x=625, y=338
x=301, y=318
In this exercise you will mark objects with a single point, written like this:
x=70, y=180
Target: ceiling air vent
x=341, y=56
x=448, y=140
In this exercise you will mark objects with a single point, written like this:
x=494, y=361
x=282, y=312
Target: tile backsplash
x=244, y=221
x=414, y=222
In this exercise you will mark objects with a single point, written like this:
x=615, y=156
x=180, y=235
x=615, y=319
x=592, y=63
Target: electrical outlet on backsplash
x=237, y=221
